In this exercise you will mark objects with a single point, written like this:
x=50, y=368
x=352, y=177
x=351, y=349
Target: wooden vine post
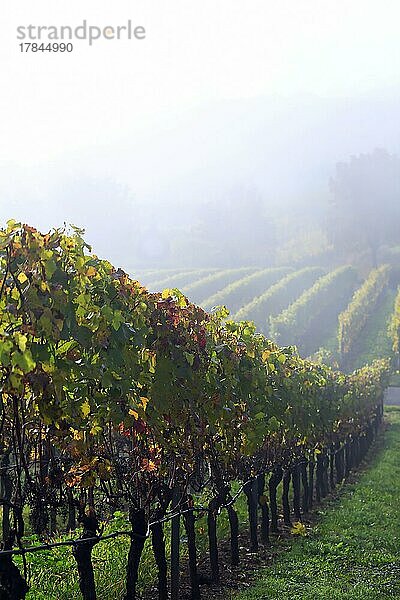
x=82, y=552
x=251, y=490
x=189, y=520
x=139, y=524
x=274, y=481
x=175, y=544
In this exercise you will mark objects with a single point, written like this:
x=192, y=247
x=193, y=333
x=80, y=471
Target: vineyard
x=328, y=291
x=335, y=316
x=128, y=416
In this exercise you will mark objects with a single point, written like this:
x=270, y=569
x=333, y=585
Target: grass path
x=353, y=553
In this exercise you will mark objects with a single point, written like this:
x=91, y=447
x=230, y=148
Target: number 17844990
x=51, y=47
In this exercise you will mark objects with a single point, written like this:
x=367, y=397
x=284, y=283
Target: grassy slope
x=374, y=341
x=322, y=326
x=354, y=552
x=204, y=287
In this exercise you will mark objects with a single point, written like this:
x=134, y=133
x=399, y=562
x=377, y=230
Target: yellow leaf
x=134, y=414
x=182, y=302
x=91, y=272
x=21, y=341
x=298, y=529
x=265, y=355
x=167, y=293
x=144, y=401
x=85, y=408
x=77, y=435
x=22, y=278
x=95, y=430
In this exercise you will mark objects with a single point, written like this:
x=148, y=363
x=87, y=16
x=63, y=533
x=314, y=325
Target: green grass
x=353, y=553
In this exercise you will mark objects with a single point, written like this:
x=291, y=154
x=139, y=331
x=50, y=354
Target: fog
x=209, y=143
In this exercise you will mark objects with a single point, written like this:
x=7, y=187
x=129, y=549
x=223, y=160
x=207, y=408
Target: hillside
x=301, y=307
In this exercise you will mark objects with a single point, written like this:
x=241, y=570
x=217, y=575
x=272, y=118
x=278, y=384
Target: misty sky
x=221, y=94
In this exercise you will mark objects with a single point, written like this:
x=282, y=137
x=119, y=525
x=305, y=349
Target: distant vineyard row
x=311, y=308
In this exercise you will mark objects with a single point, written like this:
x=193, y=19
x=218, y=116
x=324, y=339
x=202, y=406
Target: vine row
x=277, y=297
x=292, y=324
x=353, y=319
x=242, y=291
x=114, y=399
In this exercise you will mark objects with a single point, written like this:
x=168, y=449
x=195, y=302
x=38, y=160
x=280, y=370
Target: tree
x=365, y=206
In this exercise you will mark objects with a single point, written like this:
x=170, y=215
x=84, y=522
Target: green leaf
x=23, y=360
x=189, y=357
x=50, y=267
x=273, y=424
x=21, y=341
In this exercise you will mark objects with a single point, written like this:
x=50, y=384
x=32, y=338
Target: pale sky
x=111, y=109
x=196, y=52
